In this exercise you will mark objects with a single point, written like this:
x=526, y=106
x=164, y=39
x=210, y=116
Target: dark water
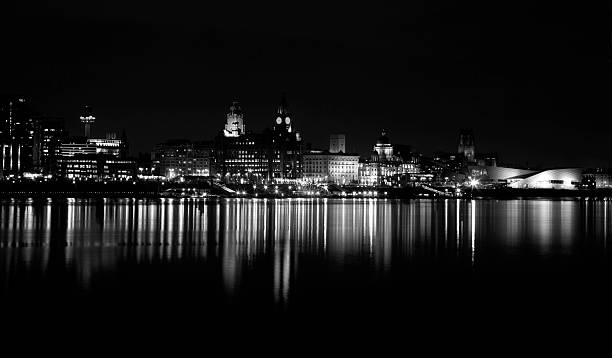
x=426, y=261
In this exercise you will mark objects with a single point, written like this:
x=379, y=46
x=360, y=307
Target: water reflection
x=275, y=243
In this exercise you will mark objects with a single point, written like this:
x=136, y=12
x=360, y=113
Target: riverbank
x=175, y=190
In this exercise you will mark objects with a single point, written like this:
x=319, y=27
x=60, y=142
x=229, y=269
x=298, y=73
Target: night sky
x=531, y=80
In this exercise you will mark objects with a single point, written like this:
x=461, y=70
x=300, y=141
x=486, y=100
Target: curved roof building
x=562, y=178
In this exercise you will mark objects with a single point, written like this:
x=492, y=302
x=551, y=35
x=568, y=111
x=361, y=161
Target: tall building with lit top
x=234, y=127
x=88, y=120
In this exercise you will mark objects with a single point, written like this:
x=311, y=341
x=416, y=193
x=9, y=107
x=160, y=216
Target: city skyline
x=422, y=72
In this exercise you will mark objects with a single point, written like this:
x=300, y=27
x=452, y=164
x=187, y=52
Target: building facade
x=181, y=157
x=273, y=155
x=338, y=168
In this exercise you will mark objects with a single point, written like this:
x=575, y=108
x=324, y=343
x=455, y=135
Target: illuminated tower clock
x=283, y=119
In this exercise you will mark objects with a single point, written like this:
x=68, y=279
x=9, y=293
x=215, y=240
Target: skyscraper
x=16, y=135
x=235, y=125
x=88, y=119
x=467, y=146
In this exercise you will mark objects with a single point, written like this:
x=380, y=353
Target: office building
x=181, y=157
x=338, y=168
x=16, y=135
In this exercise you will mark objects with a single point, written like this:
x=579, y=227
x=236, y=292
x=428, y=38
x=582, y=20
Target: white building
x=339, y=168
x=564, y=178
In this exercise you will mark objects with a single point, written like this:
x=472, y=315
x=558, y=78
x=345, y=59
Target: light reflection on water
x=88, y=238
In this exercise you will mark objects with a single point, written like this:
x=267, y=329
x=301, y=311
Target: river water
x=306, y=256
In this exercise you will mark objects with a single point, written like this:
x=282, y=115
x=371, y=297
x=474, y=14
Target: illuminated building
x=383, y=167
x=600, y=179
x=337, y=143
x=88, y=119
x=181, y=157
x=564, y=178
x=235, y=121
x=338, y=168
x=111, y=145
x=383, y=148
x=496, y=175
x=273, y=155
x=467, y=145
x=49, y=134
x=98, y=167
x=16, y=135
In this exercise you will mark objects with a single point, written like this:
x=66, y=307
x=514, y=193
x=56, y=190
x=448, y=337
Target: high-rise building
x=49, y=134
x=16, y=135
x=337, y=143
x=88, y=120
x=467, y=145
x=235, y=121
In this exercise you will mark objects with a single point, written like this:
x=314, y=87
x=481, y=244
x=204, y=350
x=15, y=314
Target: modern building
x=16, y=135
x=49, y=134
x=337, y=143
x=598, y=178
x=98, y=167
x=487, y=174
x=563, y=178
x=111, y=145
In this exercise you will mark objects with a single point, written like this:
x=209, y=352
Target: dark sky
x=532, y=80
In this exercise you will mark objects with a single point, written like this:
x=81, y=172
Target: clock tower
x=282, y=122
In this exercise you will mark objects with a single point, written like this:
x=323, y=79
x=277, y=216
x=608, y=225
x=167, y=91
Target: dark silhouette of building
x=467, y=145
